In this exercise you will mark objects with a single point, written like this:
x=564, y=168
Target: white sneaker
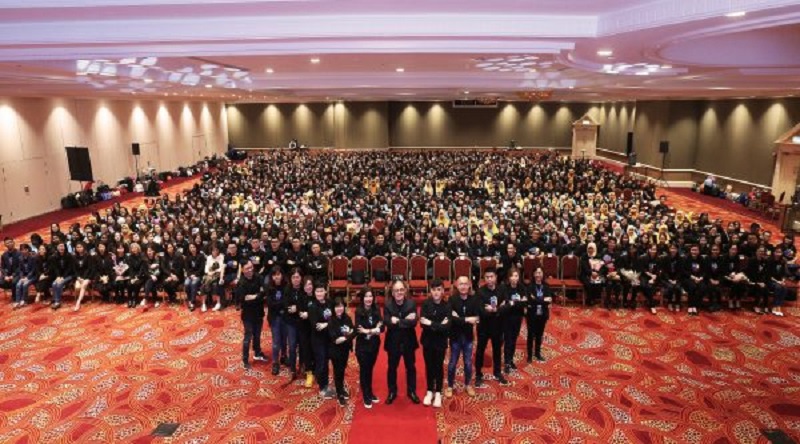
x=437, y=400
x=217, y=307
x=757, y=309
x=738, y=304
x=203, y=308
x=15, y=305
x=653, y=310
x=730, y=305
x=143, y=303
x=21, y=304
x=428, y=398
x=777, y=313
x=158, y=304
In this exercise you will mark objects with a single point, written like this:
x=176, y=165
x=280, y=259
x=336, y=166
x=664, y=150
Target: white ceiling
x=662, y=48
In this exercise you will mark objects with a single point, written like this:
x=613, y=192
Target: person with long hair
x=369, y=325
x=341, y=331
x=104, y=272
x=213, y=283
x=84, y=273
x=250, y=292
x=400, y=315
x=305, y=330
x=320, y=313
x=193, y=269
x=276, y=316
x=293, y=301
x=538, y=311
x=516, y=296
x=435, y=321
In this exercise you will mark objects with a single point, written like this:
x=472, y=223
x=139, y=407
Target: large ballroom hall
x=364, y=221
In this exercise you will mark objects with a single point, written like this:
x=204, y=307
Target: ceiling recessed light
x=666, y=66
x=269, y=70
x=466, y=92
x=148, y=80
x=208, y=86
x=736, y=14
x=315, y=60
x=605, y=53
x=400, y=70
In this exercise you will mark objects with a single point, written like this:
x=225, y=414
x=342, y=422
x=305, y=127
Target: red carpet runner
x=401, y=422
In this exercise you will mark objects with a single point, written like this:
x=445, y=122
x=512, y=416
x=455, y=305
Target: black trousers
x=695, y=291
x=672, y=293
x=714, y=294
x=409, y=362
x=366, y=367
x=495, y=334
x=613, y=292
x=738, y=289
x=133, y=290
x=511, y=327
x=535, y=333
x=434, y=367
x=304, y=345
x=171, y=288
x=339, y=359
x=252, y=331
x=649, y=291
x=319, y=345
x=594, y=291
x=761, y=295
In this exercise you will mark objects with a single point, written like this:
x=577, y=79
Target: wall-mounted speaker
x=135, y=149
x=629, y=144
x=663, y=147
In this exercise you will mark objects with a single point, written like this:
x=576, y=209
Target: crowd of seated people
x=300, y=209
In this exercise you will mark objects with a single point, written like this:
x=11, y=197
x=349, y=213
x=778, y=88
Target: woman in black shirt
x=319, y=314
x=84, y=273
x=435, y=329
x=193, y=268
x=276, y=316
x=369, y=325
x=292, y=303
x=104, y=271
x=538, y=313
x=341, y=332
x=304, y=330
x=516, y=296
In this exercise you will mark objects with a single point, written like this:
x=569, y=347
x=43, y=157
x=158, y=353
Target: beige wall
x=35, y=131
x=438, y=124
x=340, y=125
x=616, y=120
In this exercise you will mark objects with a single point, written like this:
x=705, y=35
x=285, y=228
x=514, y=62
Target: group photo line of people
x=262, y=236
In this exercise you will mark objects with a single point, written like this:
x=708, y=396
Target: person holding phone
x=538, y=313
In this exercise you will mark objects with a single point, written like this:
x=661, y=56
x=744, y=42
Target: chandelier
x=536, y=95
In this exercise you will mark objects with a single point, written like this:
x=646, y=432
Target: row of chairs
x=350, y=276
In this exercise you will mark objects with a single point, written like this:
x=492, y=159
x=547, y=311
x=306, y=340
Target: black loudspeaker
x=80, y=165
x=629, y=144
x=135, y=149
x=632, y=159
x=663, y=147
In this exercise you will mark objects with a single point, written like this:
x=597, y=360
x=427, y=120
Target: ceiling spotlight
x=605, y=53
x=736, y=14
x=149, y=61
x=315, y=60
x=269, y=70
x=148, y=80
x=208, y=86
x=400, y=70
x=466, y=92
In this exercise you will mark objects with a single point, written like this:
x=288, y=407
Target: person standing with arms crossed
x=490, y=328
x=435, y=326
x=400, y=315
x=464, y=315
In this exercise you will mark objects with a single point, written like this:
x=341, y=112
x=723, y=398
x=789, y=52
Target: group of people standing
x=306, y=323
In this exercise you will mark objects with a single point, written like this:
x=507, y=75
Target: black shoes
x=342, y=401
x=413, y=397
x=390, y=399
x=501, y=379
x=540, y=359
x=479, y=382
x=275, y=369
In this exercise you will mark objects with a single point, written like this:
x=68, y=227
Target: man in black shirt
x=464, y=315
x=9, y=264
x=694, y=278
x=492, y=306
x=249, y=291
x=400, y=315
